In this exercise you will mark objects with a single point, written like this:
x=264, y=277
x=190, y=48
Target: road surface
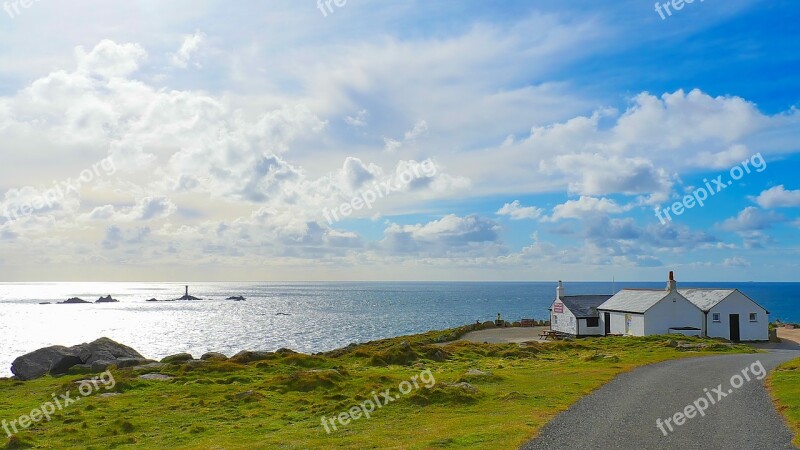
x=623, y=414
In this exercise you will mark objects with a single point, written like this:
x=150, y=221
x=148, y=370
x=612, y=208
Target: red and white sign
x=558, y=307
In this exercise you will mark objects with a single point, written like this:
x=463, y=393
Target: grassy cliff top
x=482, y=395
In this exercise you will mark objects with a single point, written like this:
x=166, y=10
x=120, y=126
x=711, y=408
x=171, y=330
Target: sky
x=372, y=140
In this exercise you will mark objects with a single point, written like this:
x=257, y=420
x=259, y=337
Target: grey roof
x=706, y=299
x=584, y=305
x=634, y=300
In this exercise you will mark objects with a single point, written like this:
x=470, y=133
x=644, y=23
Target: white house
x=576, y=314
x=730, y=314
x=642, y=312
x=726, y=313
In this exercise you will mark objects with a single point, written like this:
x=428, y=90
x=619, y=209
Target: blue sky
x=529, y=140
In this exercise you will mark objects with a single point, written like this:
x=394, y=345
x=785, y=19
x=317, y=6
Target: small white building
x=730, y=314
x=643, y=312
x=725, y=313
x=576, y=314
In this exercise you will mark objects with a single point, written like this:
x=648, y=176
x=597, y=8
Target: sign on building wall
x=558, y=307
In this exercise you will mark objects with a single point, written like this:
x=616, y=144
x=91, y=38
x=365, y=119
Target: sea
x=303, y=316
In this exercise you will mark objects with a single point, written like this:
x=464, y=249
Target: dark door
x=734, y=319
x=607, y=320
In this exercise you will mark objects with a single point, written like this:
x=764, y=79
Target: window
x=593, y=322
x=753, y=317
x=715, y=317
x=555, y=319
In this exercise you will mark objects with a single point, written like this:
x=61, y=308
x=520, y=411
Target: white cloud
x=516, y=211
x=735, y=262
x=359, y=120
x=778, y=197
x=752, y=219
x=189, y=48
x=109, y=59
x=585, y=207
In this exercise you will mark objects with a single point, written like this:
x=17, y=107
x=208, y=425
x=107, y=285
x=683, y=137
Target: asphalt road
x=623, y=413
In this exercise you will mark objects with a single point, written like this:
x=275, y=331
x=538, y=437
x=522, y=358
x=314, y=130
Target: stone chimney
x=560, y=289
x=672, y=284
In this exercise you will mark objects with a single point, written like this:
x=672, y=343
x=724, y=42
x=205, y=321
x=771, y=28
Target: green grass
x=279, y=400
x=784, y=385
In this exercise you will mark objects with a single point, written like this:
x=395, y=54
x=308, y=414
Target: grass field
x=784, y=385
x=279, y=400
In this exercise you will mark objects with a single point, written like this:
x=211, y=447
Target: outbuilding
x=576, y=314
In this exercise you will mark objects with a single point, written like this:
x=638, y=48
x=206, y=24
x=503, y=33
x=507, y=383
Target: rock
x=108, y=394
x=282, y=314
x=155, y=376
x=63, y=365
x=38, y=363
x=97, y=355
x=105, y=349
x=73, y=301
x=247, y=356
x=44, y=303
x=121, y=363
x=237, y=298
x=151, y=300
x=214, y=356
x=671, y=343
x=106, y=299
x=463, y=385
x=477, y=373
x=178, y=358
x=195, y=363
x=150, y=366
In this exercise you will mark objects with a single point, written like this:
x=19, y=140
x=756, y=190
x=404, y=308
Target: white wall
x=590, y=331
x=618, y=323
x=671, y=312
x=737, y=303
x=566, y=322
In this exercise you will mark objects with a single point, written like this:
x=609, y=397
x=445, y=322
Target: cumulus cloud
x=189, y=48
x=752, y=219
x=109, y=59
x=735, y=262
x=145, y=209
x=451, y=235
x=516, y=211
x=585, y=207
x=778, y=197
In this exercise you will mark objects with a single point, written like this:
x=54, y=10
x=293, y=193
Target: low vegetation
x=784, y=385
x=486, y=395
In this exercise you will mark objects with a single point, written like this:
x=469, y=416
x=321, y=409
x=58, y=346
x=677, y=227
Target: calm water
x=321, y=316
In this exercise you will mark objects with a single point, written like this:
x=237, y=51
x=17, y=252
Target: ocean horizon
x=307, y=317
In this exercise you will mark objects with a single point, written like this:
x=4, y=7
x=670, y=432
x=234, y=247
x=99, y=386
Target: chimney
x=672, y=284
x=560, y=290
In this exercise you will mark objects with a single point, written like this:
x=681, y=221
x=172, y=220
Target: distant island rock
x=44, y=303
x=73, y=301
x=237, y=298
x=106, y=299
x=282, y=314
x=152, y=300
